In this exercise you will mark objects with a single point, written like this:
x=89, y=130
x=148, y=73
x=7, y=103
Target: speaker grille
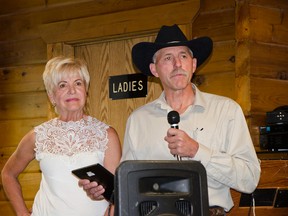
x=147, y=207
x=185, y=207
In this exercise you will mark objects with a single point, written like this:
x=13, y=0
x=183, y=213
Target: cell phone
x=101, y=175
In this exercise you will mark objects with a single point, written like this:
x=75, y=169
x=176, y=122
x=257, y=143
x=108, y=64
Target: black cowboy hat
x=142, y=53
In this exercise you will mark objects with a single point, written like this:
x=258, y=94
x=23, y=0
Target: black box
x=278, y=115
x=274, y=137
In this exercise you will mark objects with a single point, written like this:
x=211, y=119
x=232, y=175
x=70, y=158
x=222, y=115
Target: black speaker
x=166, y=188
x=278, y=116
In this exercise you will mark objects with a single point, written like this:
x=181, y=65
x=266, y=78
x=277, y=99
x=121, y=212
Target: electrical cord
x=252, y=205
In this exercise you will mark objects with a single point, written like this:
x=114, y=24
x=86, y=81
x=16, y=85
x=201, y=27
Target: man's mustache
x=179, y=71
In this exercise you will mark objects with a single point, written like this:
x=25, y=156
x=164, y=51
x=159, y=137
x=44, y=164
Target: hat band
x=173, y=42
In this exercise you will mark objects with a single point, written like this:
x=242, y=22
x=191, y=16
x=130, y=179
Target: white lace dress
x=60, y=148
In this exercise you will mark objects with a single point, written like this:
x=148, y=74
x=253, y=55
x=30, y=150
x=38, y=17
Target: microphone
x=173, y=118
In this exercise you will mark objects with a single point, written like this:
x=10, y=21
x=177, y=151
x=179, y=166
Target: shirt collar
x=199, y=98
x=199, y=101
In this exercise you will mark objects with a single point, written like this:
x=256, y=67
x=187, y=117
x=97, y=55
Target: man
x=212, y=128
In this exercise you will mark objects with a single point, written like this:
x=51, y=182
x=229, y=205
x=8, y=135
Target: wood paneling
x=68, y=9
x=267, y=3
x=221, y=84
x=219, y=25
x=212, y=5
x=19, y=53
x=21, y=79
x=267, y=94
x=274, y=175
x=269, y=60
x=21, y=41
x=261, y=60
x=23, y=105
x=242, y=57
x=120, y=23
x=15, y=6
x=12, y=131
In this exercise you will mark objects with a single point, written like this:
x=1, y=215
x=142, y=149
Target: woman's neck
x=73, y=116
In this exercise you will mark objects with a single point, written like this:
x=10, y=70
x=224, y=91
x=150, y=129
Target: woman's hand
x=92, y=189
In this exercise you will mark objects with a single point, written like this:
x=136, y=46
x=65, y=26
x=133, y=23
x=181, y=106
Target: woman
x=70, y=141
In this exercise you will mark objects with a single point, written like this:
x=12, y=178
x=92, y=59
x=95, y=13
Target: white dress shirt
x=217, y=123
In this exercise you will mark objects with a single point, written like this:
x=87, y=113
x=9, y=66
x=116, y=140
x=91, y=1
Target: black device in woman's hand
x=101, y=175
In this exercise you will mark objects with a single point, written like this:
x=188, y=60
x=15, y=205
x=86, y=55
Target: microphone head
x=173, y=117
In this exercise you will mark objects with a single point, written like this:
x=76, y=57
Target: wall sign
x=127, y=86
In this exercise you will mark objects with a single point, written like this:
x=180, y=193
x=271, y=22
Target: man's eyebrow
x=165, y=54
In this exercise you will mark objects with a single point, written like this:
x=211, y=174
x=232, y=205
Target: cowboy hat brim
x=142, y=53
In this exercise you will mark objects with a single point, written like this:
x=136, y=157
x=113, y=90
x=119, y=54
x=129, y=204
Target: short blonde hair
x=60, y=66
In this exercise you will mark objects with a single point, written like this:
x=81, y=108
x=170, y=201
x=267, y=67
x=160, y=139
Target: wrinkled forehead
x=173, y=50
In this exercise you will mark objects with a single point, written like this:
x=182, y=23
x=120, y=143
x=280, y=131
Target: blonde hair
x=58, y=67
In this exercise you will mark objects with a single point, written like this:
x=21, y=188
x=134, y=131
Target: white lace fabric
x=70, y=138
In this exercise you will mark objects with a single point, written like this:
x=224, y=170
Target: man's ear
x=194, y=64
x=152, y=67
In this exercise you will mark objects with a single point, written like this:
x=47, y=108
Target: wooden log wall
x=249, y=62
